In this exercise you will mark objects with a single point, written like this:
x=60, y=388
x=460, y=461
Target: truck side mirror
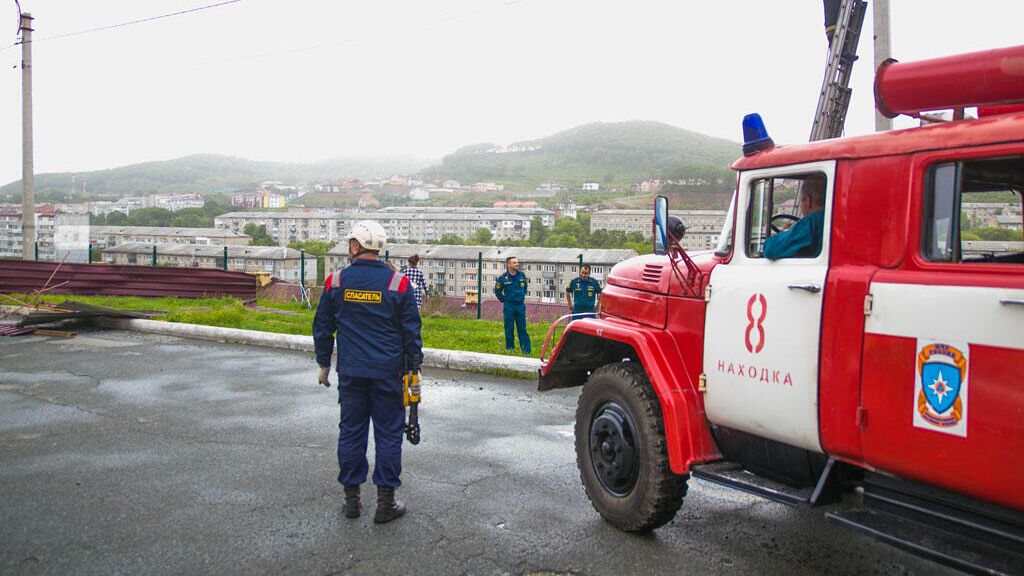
x=660, y=225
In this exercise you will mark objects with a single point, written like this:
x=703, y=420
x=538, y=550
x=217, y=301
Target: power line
x=139, y=21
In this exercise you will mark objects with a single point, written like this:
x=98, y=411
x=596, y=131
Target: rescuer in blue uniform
x=803, y=239
x=582, y=294
x=373, y=311
x=511, y=288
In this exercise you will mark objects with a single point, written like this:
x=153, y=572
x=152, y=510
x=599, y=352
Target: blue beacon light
x=755, y=135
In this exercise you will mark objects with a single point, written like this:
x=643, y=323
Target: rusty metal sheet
x=148, y=281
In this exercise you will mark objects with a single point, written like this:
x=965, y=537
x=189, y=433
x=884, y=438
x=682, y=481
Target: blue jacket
x=374, y=313
x=512, y=289
x=803, y=240
x=584, y=293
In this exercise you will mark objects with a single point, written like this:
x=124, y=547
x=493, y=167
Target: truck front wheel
x=621, y=450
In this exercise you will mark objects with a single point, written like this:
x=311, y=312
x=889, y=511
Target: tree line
x=162, y=217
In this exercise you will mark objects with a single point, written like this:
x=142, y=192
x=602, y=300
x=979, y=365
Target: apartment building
x=452, y=270
x=528, y=209
x=986, y=214
x=175, y=202
x=431, y=227
x=125, y=206
x=259, y=199
x=703, y=227
x=108, y=236
x=403, y=224
x=286, y=227
x=58, y=236
x=282, y=263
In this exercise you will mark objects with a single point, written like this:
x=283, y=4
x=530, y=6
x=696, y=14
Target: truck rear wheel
x=621, y=450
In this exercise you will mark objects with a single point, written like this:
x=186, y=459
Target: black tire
x=621, y=450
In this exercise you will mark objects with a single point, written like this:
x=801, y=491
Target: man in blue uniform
x=582, y=294
x=803, y=239
x=511, y=288
x=373, y=312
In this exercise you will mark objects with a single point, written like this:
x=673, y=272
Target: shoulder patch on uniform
x=399, y=283
x=333, y=281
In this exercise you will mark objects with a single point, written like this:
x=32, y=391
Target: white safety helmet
x=370, y=235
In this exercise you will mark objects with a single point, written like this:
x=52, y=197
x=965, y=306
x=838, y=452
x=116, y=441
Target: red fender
x=686, y=429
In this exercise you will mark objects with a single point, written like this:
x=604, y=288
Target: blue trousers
x=515, y=314
x=362, y=400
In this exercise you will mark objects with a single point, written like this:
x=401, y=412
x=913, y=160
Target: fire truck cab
x=888, y=361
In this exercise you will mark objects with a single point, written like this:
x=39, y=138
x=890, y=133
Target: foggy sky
x=306, y=80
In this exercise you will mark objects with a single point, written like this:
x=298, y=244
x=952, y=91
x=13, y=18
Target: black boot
x=352, y=507
x=388, y=508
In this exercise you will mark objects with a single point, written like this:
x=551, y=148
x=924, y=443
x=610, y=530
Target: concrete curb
x=432, y=357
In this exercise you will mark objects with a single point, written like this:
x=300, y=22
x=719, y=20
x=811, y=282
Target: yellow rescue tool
x=412, y=400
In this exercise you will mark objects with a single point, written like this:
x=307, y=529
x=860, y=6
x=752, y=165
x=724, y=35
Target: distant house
x=487, y=187
x=419, y=194
x=452, y=184
x=591, y=186
x=551, y=187
x=566, y=209
x=648, y=186
x=366, y=200
x=259, y=199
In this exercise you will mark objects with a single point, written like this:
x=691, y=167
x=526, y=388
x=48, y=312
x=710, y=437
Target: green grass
x=438, y=331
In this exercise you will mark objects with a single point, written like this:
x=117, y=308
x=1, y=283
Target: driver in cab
x=803, y=239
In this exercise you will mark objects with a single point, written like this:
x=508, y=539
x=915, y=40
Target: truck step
x=927, y=540
x=955, y=513
x=733, y=475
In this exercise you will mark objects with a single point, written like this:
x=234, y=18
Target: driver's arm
x=790, y=242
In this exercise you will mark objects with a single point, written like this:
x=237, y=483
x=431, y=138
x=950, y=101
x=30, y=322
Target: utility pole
x=28, y=195
x=883, y=51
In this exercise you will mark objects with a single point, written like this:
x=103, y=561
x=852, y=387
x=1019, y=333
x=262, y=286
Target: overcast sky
x=306, y=80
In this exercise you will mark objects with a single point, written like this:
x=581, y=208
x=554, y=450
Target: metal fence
x=139, y=280
x=489, y=309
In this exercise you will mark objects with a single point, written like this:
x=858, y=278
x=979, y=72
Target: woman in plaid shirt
x=415, y=276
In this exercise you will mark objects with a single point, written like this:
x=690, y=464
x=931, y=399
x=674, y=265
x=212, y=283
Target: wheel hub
x=613, y=448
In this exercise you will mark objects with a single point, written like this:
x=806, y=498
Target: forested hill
x=612, y=154
x=202, y=173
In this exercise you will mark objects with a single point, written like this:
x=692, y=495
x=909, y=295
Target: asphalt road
x=123, y=453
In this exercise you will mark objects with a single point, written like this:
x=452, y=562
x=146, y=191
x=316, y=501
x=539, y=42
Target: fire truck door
x=942, y=393
x=764, y=316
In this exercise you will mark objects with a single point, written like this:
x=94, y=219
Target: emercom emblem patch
x=363, y=296
x=940, y=387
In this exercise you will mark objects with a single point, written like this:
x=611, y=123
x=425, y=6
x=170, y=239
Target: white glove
x=325, y=371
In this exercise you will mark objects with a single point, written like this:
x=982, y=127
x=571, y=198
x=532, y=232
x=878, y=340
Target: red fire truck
x=889, y=362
